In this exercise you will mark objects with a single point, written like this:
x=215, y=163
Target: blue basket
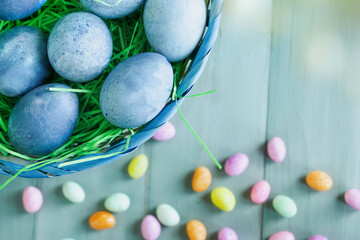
x=11, y=165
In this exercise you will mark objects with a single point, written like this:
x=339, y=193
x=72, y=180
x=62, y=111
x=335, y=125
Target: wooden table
x=285, y=68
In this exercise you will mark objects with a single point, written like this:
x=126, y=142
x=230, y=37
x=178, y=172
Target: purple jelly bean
x=236, y=164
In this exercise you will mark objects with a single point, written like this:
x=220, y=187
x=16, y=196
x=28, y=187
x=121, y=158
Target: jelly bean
x=276, y=149
x=102, y=220
x=196, y=230
x=32, y=199
x=260, y=192
x=285, y=206
x=319, y=181
x=317, y=237
x=201, y=179
x=283, y=235
x=166, y=132
x=117, y=202
x=227, y=234
x=138, y=166
x=236, y=164
x=352, y=198
x=73, y=192
x=167, y=215
x=150, y=228
x=223, y=198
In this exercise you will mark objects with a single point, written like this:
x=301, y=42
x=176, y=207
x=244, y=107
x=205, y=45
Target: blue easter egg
x=110, y=9
x=80, y=47
x=42, y=120
x=174, y=27
x=24, y=64
x=136, y=90
x=18, y=9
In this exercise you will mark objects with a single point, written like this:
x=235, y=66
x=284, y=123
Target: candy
x=167, y=215
x=201, y=179
x=223, y=198
x=260, y=192
x=285, y=206
x=276, y=149
x=317, y=237
x=32, y=199
x=283, y=235
x=138, y=166
x=236, y=164
x=352, y=198
x=227, y=234
x=150, y=228
x=319, y=181
x=102, y=220
x=73, y=192
x=117, y=202
x=196, y=230
x=166, y=132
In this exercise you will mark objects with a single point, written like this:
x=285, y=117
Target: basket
x=13, y=166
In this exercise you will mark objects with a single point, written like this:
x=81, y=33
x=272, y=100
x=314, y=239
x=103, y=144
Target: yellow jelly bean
x=223, y=198
x=138, y=166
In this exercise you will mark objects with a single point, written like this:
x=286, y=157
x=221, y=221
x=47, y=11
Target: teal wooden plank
x=312, y=106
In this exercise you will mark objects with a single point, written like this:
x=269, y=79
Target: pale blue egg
x=18, y=9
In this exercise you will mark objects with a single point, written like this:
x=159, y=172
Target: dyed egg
x=138, y=166
x=19, y=9
x=23, y=60
x=196, y=230
x=150, y=228
x=167, y=215
x=276, y=149
x=317, y=237
x=285, y=206
x=110, y=9
x=227, y=234
x=260, y=192
x=49, y=122
x=102, y=220
x=223, y=199
x=201, y=179
x=236, y=164
x=80, y=47
x=136, y=90
x=166, y=132
x=352, y=198
x=319, y=181
x=174, y=28
x=283, y=235
x=73, y=192
x=32, y=199
x=117, y=202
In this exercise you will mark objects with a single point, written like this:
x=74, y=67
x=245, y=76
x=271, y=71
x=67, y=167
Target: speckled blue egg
x=136, y=90
x=174, y=27
x=18, y=9
x=80, y=47
x=42, y=120
x=110, y=9
x=24, y=64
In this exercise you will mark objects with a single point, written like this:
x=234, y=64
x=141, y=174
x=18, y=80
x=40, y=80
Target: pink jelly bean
x=236, y=164
x=166, y=132
x=227, y=234
x=260, y=192
x=276, y=149
x=317, y=237
x=352, y=198
x=32, y=199
x=150, y=228
x=283, y=235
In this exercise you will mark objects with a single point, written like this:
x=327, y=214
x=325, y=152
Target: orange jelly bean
x=196, y=230
x=102, y=220
x=319, y=181
x=201, y=179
